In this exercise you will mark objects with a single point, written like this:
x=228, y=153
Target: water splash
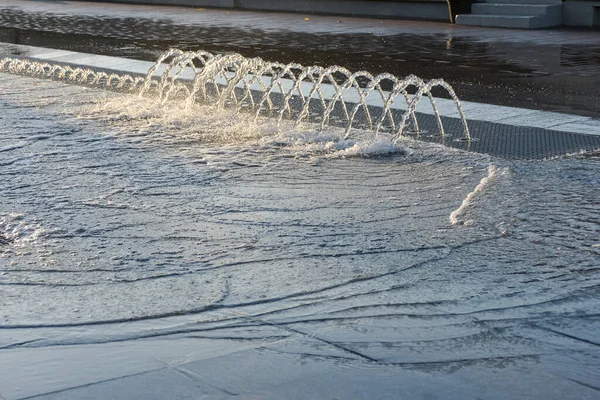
x=15, y=231
x=485, y=181
x=332, y=96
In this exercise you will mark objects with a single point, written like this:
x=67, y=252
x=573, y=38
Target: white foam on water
x=580, y=153
x=173, y=122
x=203, y=123
x=371, y=148
x=17, y=232
x=333, y=144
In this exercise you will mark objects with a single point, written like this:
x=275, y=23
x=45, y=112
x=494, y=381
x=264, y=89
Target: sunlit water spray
x=325, y=97
x=15, y=231
x=190, y=96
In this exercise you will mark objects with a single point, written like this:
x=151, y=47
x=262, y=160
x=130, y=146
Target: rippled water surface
x=122, y=221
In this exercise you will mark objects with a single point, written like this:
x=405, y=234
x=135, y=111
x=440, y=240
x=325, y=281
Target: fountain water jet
x=324, y=96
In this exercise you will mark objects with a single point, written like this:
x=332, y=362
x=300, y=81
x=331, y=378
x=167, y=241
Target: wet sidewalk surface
x=554, y=70
x=146, y=254
x=146, y=263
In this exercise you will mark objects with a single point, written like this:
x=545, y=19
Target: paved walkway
x=269, y=21
x=288, y=279
x=149, y=264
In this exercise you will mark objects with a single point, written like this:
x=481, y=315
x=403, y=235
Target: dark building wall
x=434, y=10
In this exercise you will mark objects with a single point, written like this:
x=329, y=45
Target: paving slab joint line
x=309, y=335
x=85, y=385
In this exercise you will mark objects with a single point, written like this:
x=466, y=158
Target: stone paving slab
x=334, y=279
x=260, y=371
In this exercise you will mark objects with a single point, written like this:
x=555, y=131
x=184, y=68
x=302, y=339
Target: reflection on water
x=554, y=77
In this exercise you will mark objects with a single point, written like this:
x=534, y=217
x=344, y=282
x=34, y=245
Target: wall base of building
x=433, y=10
x=188, y=3
x=430, y=10
x=581, y=13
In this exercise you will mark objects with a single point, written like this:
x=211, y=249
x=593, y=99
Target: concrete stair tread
x=524, y=14
x=506, y=21
x=512, y=9
x=516, y=6
x=524, y=2
x=500, y=16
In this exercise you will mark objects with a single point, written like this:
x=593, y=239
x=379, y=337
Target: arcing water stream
x=314, y=94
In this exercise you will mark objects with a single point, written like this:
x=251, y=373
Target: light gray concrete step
x=501, y=21
x=514, y=9
x=539, y=2
x=507, y=21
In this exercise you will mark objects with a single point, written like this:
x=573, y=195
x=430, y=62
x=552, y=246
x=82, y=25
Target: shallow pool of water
x=124, y=222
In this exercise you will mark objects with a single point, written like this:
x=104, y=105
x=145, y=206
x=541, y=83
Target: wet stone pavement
x=164, y=257
x=556, y=70
x=157, y=252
